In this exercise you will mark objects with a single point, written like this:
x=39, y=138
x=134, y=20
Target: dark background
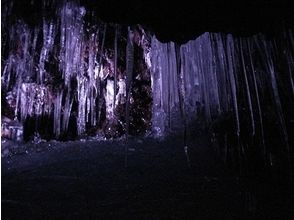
x=178, y=21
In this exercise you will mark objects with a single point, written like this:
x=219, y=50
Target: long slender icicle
x=102, y=47
x=115, y=66
x=230, y=51
x=181, y=95
x=214, y=74
x=269, y=64
x=290, y=62
x=223, y=82
x=257, y=96
x=57, y=113
x=66, y=111
x=169, y=73
x=100, y=68
x=204, y=91
x=268, y=61
x=17, y=97
x=247, y=87
x=129, y=72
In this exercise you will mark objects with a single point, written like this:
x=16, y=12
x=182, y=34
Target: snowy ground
x=88, y=180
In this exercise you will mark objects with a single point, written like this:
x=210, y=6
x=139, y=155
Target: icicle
x=94, y=80
x=66, y=112
x=213, y=69
x=158, y=114
x=257, y=95
x=230, y=51
x=145, y=43
x=82, y=97
x=203, y=79
x=24, y=102
x=115, y=65
x=109, y=97
x=91, y=82
x=269, y=64
x=48, y=41
x=181, y=94
x=18, y=64
x=247, y=88
x=88, y=109
x=220, y=73
x=99, y=70
x=129, y=73
x=39, y=100
x=57, y=113
x=71, y=40
x=181, y=81
x=28, y=93
x=168, y=81
x=102, y=47
x=291, y=61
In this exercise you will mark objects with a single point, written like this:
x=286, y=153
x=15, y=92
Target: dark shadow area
x=88, y=180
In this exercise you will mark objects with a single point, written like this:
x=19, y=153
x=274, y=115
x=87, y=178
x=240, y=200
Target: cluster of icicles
x=212, y=76
x=38, y=87
x=242, y=88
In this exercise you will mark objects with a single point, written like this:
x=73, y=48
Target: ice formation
x=234, y=87
x=83, y=74
x=63, y=68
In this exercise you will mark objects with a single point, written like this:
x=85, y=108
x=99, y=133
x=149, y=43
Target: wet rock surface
x=87, y=179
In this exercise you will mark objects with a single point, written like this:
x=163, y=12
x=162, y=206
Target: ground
x=88, y=179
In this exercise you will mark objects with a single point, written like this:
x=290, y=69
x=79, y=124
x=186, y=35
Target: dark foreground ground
x=88, y=180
